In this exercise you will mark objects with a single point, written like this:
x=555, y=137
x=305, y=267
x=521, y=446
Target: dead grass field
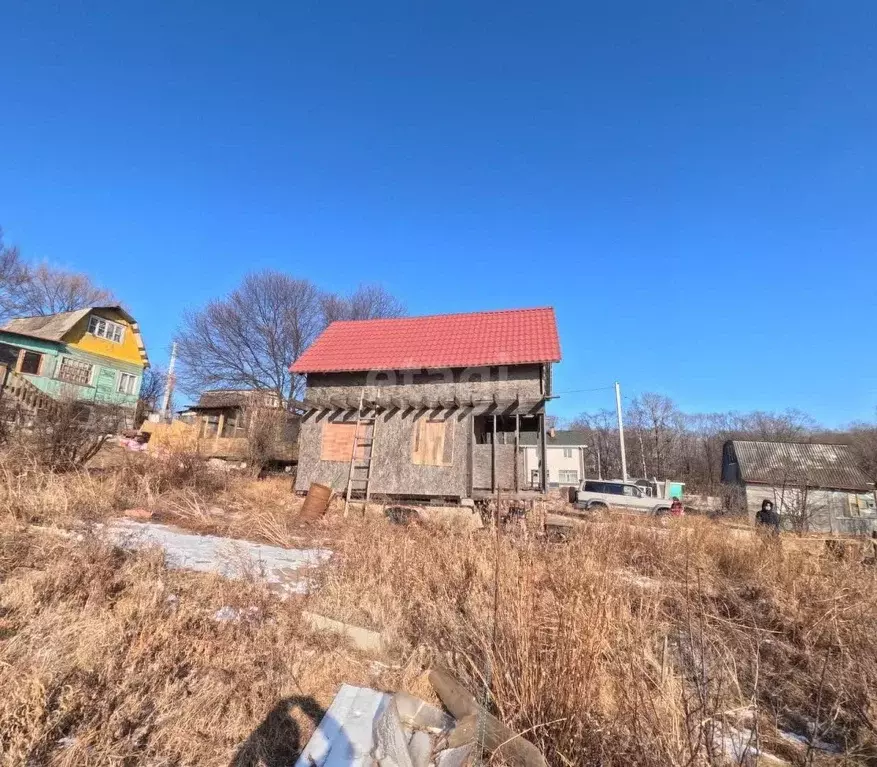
x=625, y=645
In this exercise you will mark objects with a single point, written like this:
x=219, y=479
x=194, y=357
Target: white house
x=565, y=457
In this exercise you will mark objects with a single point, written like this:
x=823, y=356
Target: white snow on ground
x=229, y=557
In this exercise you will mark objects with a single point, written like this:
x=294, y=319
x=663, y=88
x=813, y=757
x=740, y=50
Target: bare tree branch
x=27, y=290
x=248, y=339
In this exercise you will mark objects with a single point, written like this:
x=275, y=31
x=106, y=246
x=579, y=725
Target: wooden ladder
x=361, y=458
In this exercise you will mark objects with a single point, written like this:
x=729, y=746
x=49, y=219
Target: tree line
x=248, y=338
x=663, y=441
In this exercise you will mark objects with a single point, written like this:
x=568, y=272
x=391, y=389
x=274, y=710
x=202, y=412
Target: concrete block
x=362, y=638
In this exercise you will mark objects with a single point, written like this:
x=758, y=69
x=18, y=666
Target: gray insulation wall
x=505, y=467
x=392, y=470
x=523, y=381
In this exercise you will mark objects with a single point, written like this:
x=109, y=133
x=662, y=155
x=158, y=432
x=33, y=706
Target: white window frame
x=61, y=360
x=101, y=327
x=563, y=476
x=567, y=452
x=120, y=378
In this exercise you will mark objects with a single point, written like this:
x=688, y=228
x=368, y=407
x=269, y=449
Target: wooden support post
x=220, y=425
x=471, y=455
x=493, y=457
x=517, y=451
x=543, y=453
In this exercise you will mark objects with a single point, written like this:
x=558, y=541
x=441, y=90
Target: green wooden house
x=93, y=355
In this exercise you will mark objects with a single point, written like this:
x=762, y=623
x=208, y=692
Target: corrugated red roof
x=511, y=337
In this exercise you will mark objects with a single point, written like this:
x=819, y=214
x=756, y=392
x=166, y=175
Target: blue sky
x=692, y=185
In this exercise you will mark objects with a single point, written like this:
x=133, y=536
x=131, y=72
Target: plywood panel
x=433, y=443
x=337, y=441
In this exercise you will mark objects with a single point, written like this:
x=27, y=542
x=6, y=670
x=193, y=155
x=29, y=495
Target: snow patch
x=228, y=557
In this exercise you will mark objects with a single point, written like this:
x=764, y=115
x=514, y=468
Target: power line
x=583, y=391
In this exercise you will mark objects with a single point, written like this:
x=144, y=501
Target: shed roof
x=566, y=438
x=797, y=463
x=218, y=399
x=511, y=337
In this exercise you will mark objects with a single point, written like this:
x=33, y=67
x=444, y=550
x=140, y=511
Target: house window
x=861, y=503
x=31, y=362
x=209, y=425
x=233, y=425
x=104, y=328
x=74, y=371
x=433, y=443
x=568, y=477
x=337, y=441
x=567, y=452
x=127, y=383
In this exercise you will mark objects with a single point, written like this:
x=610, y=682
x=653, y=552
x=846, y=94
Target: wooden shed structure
x=427, y=407
x=814, y=487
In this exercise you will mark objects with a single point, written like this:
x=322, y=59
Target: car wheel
x=662, y=512
x=597, y=506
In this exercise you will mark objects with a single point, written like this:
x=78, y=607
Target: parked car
x=602, y=493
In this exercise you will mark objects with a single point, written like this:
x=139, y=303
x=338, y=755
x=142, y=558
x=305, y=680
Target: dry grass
x=627, y=645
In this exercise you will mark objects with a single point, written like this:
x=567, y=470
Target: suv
x=602, y=493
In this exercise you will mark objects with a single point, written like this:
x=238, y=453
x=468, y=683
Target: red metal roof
x=511, y=337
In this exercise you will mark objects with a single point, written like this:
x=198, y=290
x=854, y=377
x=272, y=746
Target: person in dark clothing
x=767, y=518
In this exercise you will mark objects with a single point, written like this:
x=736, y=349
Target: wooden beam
x=517, y=451
x=509, y=746
x=471, y=454
x=544, y=452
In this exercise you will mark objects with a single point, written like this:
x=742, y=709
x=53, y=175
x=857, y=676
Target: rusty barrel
x=316, y=502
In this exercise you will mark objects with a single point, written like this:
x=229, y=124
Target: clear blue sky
x=693, y=185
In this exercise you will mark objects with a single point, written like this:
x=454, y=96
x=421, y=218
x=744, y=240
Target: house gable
x=129, y=350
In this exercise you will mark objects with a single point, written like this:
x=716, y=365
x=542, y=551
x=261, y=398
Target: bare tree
x=248, y=339
x=367, y=302
x=151, y=390
x=656, y=415
x=13, y=274
x=48, y=291
x=27, y=290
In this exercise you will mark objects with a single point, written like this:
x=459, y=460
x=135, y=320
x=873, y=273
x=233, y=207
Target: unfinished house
x=813, y=487
x=427, y=408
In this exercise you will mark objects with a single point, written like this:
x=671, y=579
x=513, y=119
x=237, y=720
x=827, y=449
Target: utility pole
x=169, y=384
x=620, y=431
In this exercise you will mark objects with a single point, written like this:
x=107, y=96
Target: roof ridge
x=790, y=442
x=446, y=314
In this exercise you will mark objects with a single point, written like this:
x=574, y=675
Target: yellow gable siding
x=127, y=351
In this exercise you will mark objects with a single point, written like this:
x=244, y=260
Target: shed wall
x=826, y=510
